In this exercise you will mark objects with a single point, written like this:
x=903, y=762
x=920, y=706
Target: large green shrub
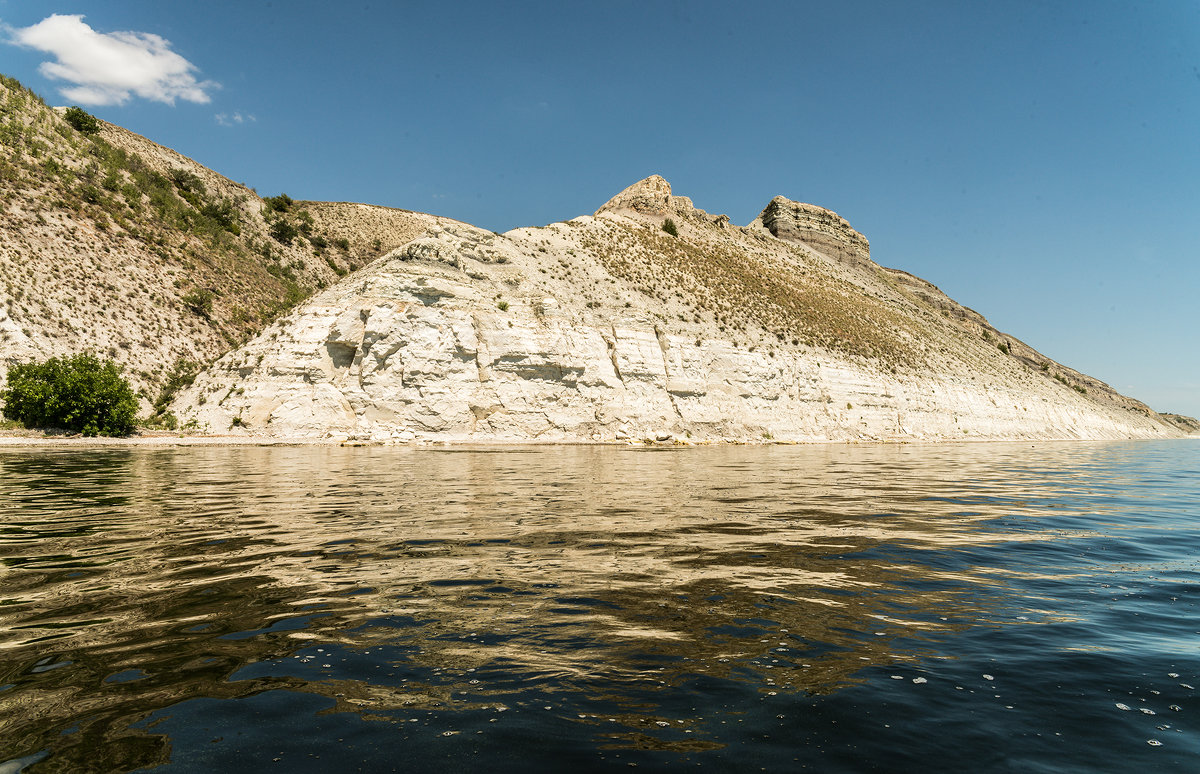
x=82, y=120
x=280, y=203
x=80, y=393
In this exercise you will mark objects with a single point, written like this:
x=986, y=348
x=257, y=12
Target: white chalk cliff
x=607, y=328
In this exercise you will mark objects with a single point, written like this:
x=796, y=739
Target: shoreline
x=166, y=440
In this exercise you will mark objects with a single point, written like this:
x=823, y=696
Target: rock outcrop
x=819, y=228
x=606, y=328
x=652, y=198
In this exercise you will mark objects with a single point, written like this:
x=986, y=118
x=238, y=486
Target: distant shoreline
x=168, y=440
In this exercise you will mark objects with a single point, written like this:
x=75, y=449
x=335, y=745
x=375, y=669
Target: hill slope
x=602, y=327
x=112, y=243
x=608, y=327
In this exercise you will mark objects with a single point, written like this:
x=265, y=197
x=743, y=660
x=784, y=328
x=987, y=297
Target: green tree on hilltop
x=83, y=121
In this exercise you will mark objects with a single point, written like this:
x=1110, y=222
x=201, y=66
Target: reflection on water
x=226, y=607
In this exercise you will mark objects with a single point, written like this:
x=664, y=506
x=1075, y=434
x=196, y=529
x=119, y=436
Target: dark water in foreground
x=986, y=607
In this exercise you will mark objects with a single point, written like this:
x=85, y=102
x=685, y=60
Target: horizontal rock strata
x=816, y=227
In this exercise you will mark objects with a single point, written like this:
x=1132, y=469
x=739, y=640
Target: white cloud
x=226, y=119
x=108, y=68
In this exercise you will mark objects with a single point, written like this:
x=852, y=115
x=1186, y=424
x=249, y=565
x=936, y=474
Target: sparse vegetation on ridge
x=740, y=291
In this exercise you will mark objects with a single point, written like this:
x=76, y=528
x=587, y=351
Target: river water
x=976, y=607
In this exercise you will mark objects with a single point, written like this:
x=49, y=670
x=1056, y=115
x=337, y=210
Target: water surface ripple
x=982, y=607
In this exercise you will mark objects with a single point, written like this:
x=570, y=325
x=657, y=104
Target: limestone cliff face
x=606, y=328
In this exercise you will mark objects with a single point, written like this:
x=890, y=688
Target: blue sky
x=1040, y=162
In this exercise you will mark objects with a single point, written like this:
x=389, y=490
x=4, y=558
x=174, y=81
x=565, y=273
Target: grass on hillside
x=740, y=290
x=175, y=216
x=86, y=212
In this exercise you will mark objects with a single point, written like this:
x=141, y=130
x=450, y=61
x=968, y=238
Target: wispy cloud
x=107, y=68
x=234, y=119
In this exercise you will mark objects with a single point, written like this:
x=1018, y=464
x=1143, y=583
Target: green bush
x=280, y=203
x=81, y=120
x=90, y=194
x=166, y=420
x=223, y=213
x=338, y=270
x=199, y=301
x=304, y=222
x=186, y=180
x=669, y=227
x=180, y=377
x=80, y=393
x=284, y=232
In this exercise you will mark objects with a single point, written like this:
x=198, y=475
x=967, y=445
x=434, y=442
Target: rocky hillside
x=114, y=244
x=651, y=319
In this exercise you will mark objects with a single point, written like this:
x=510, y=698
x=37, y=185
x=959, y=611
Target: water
x=983, y=607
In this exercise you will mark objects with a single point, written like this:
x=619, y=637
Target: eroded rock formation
x=817, y=227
